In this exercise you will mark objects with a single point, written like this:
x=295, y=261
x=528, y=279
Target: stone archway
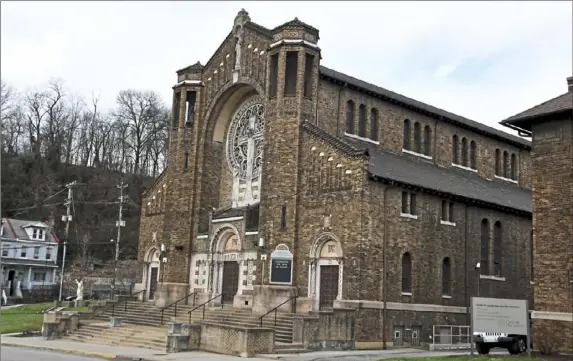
x=326, y=271
x=151, y=271
x=227, y=263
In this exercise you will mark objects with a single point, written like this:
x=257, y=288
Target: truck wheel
x=518, y=346
x=482, y=348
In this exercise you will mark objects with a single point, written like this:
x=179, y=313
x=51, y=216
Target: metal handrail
x=125, y=302
x=175, y=304
x=277, y=307
x=205, y=303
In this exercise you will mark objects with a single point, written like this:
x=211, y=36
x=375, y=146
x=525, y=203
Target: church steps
x=129, y=335
x=147, y=314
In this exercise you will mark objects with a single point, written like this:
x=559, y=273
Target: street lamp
x=478, y=270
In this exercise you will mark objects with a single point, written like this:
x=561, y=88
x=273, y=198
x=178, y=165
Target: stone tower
x=178, y=225
x=292, y=88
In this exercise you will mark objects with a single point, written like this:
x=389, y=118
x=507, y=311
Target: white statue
x=18, y=290
x=80, y=290
x=238, y=53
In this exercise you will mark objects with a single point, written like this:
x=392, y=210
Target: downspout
x=384, y=267
x=466, y=232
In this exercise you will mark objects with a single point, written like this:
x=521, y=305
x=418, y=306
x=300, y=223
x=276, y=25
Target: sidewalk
x=111, y=352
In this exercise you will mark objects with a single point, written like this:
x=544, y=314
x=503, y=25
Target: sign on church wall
x=281, y=265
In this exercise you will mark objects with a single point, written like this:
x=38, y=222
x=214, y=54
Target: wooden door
x=328, y=285
x=230, y=281
x=153, y=281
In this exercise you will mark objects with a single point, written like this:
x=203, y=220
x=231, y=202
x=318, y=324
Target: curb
x=109, y=356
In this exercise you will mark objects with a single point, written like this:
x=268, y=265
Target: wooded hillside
x=51, y=138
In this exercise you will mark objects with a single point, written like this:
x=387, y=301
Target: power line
x=45, y=200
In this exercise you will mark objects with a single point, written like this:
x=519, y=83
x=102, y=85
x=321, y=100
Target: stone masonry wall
x=553, y=231
x=329, y=193
x=332, y=117
x=553, y=215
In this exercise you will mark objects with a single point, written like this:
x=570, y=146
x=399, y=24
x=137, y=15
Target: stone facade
x=363, y=214
x=551, y=125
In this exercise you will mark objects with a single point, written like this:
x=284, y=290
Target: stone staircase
x=154, y=338
x=146, y=314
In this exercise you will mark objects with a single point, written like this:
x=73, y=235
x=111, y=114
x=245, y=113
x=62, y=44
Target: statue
x=238, y=53
x=18, y=290
x=80, y=290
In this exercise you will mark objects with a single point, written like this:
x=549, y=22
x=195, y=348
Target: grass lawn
x=468, y=358
x=27, y=317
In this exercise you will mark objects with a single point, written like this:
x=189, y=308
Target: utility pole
x=68, y=219
x=120, y=223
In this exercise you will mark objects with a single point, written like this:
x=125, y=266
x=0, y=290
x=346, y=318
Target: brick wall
x=553, y=215
x=332, y=117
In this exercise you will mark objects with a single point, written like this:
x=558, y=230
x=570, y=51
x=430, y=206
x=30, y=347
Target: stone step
x=123, y=343
x=156, y=341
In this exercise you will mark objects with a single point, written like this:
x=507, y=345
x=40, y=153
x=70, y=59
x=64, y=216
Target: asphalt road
x=23, y=354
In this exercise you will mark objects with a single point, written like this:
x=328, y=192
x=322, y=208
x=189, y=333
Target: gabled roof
x=428, y=109
x=560, y=104
x=15, y=229
x=466, y=186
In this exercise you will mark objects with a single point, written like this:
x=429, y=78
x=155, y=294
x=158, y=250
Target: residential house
x=29, y=254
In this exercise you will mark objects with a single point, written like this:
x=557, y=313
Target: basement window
x=291, y=73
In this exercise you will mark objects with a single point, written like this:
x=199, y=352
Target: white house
x=29, y=254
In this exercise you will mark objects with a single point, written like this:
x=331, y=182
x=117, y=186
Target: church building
x=290, y=182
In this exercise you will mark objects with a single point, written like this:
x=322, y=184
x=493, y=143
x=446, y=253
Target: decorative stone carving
x=245, y=152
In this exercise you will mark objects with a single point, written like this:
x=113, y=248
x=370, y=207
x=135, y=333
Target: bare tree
x=140, y=112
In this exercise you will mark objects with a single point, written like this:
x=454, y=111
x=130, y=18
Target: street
x=22, y=354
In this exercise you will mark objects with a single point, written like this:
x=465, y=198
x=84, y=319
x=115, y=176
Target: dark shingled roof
x=452, y=181
x=335, y=141
x=562, y=103
x=445, y=115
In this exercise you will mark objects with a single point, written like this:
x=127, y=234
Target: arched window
x=374, y=124
x=417, y=138
x=406, y=134
x=505, y=164
x=513, y=166
x=427, y=140
x=484, y=246
x=362, y=121
x=464, y=152
x=350, y=117
x=446, y=277
x=406, y=273
x=455, y=150
x=497, y=162
x=497, y=252
x=473, y=155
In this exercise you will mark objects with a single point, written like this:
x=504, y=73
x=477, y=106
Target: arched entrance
x=228, y=258
x=326, y=270
x=151, y=271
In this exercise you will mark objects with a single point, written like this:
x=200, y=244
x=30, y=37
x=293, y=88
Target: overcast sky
x=485, y=61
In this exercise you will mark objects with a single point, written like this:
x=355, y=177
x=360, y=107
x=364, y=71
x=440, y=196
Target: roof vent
x=570, y=84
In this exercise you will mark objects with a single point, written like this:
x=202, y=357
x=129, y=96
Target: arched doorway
x=227, y=258
x=152, y=271
x=326, y=270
